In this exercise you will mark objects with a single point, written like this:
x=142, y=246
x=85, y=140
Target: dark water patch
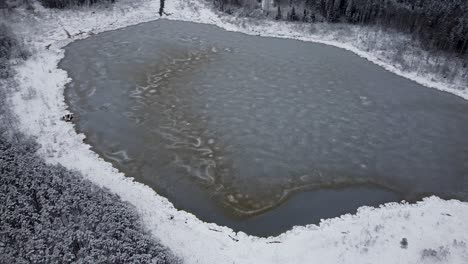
x=261, y=134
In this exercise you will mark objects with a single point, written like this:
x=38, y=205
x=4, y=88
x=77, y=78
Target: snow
x=436, y=230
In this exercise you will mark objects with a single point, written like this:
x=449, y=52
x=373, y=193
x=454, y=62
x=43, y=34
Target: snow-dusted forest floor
x=435, y=230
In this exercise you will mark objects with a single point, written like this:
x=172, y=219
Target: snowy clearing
x=435, y=230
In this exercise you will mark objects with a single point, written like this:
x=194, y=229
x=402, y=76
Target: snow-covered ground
x=436, y=230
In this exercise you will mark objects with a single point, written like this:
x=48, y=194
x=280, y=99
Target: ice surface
x=250, y=121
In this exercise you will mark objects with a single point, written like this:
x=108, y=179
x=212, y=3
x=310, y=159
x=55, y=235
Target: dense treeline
x=438, y=24
x=50, y=215
x=49, y=3
x=442, y=24
x=66, y=3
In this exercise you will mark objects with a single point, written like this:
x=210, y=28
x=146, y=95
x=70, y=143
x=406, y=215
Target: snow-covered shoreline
x=435, y=229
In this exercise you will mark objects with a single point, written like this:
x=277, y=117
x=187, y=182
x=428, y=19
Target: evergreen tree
x=349, y=10
x=279, y=16
x=292, y=16
x=305, y=16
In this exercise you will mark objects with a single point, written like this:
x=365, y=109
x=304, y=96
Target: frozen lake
x=261, y=134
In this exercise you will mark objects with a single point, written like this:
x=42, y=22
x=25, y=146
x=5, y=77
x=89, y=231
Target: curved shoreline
x=39, y=116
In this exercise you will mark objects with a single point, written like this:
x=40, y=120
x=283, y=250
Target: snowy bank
x=435, y=230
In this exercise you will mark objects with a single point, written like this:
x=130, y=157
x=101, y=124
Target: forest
x=437, y=24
